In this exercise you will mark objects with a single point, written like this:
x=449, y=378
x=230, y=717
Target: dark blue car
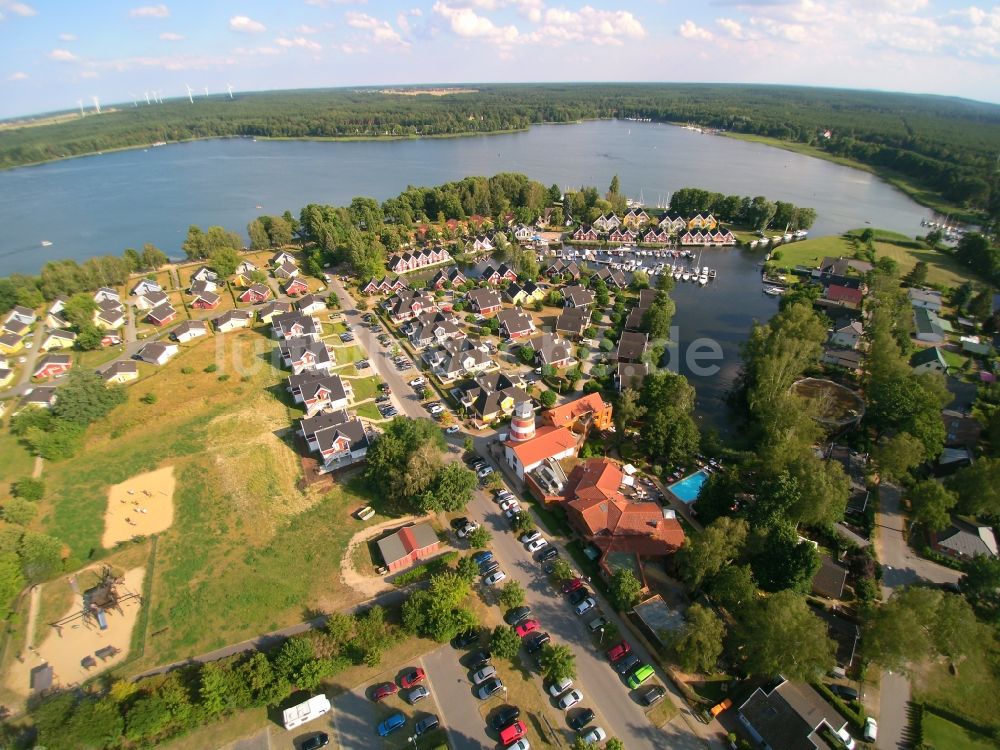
x=391, y=724
x=481, y=557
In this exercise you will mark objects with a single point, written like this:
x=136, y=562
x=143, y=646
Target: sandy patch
x=139, y=506
x=64, y=649
x=367, y=585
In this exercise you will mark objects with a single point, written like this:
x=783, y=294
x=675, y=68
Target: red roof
x=548, y=442
x=569, y=412
x=838, y=293
x=594, y=479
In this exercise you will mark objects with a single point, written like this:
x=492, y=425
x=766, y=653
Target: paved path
x=458, y=707
x=900, y=567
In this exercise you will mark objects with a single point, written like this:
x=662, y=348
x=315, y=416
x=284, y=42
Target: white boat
x=774, y=291
x=711, y=273
x=677, y=273
x=46, y=243
x=703, y=279
x=686, y=276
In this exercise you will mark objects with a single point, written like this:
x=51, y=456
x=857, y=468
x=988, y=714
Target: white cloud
x=468, y=24
x=150, y=11
x=67, y=37
x=306, y=29
x=590, y=25
x=328, y=3
x=18, y=9
x=18, y=75
x=381, y=31
x=299, y=41
x=62, y=55
x=403, y=19
x=246, y=25
x=171, y=36
x=690, y=30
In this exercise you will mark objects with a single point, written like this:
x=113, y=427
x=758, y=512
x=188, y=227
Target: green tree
x=79, y=310
x=614, y=743
x=19, y=512
x=897, y=455
x=780, y=635
x=480, y=538
x=84, y=398
x=780, y=560
x=978, y=487
x=522, y=522
x=932, y=504
x=40, y=555
x=11, y=577
x=89, y=338
x=557, y=662
x=627, y=411
x=511, y=595
x=698, y=644
x=96, y=723
x=505, y=643
x=625, y=589
x=562, y=570
x=223, y=261
x=195, y=245
x=292, y=656
x=29, y=488
x=711, y=550
x=733, y=587
x=981, y=579
x=615, y=187
x=526, y=354
x=917, y=275
x=468, y=569
x=258, y=235
x=547, y=398
x=152, y=257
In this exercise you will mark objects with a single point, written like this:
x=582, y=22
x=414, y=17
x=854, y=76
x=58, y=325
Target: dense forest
x=942, y=144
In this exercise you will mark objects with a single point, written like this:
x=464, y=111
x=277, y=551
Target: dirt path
x=36, y=471
x=367, y=585
x=33, y=607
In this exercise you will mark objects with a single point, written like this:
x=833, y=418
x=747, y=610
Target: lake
x=102, y=204
x=98, y=205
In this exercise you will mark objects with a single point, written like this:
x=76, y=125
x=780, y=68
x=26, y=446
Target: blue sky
x=54, y=53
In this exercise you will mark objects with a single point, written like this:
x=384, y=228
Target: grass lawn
x=368, y=411
x=347, y=354
x=93, y=359
x=334, y=328
x=941, y=734
x=662, y=712
x=17, y=461
x=365, y=388
x=973, y=693
x=955, y=360
x=249, y=551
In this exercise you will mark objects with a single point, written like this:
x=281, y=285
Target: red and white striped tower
x=522, y=424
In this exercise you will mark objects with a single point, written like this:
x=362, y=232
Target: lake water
x=102, y=204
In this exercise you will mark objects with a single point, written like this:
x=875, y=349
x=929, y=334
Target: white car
x=435, y=409
x=467, y=529
x=503, y=495
x=844, y=736
x=558, y=688
x=570, y=699
x=595, y=735
x=521, y=744
x=417, y=381
x=484, y=674
x=509, y=503
x=586, y=605
x=484, y=472
x=493, y=580
x=529, y=536
x=451, y=430
x=871, y=730
x=537, y=545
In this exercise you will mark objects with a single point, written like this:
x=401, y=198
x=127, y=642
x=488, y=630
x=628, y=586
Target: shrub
x=29, y=488
x=18, y=511
x=211, y=368
x=187, y=370
x=223, y=378
x=149, y=398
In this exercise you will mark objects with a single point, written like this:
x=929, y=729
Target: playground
x=139, y=506
x=93, y=635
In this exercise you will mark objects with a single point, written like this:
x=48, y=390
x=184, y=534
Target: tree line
x=947, y=145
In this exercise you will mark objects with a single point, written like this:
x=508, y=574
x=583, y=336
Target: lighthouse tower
x=522, y=424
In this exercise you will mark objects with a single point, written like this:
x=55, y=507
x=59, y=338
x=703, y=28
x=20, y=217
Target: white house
x=157, y=353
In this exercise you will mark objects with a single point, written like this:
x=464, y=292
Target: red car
x=572, y=585
x=619, y=650
x=412, y=678
x=526, y=627
x=513, y=733
x=384, y=690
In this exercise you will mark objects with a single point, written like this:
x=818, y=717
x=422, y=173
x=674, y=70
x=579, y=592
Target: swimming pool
x=687, y=489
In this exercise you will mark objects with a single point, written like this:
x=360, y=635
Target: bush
x=211, y=368
x=29, y=488
x=149, y=398
x=223, y=378
x=187, y=370
x=18, y=511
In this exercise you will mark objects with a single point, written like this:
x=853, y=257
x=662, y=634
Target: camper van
x=305, y=712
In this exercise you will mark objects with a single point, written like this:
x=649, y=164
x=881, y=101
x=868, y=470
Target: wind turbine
x=230, y=87
x=80, y=102
x=97, y=104
x=206, y=92
x=190, y=98
x=134, y=102
x=147, y=96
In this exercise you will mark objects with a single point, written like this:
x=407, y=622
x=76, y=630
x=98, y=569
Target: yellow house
x=58, y=339
x=11, y=343
x=702, y=222
x=109, y=320
x=6, y=377
x=121, y=372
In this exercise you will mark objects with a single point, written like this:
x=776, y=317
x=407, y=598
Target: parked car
x=384, y=690
x=844, y=736
x=425, y=725
x=548, y=554
x=504, y=717
x=845, y=692
x=521, y=744
x=413, y=677
x=480, y=663
x=558, y=688
x=535, y=641
x=417, y=381
x=491, y=687
x=871, y=730
x=627, y=663
x=537, y=545
x=513, y=732
x=724, y=705
x=484, y=472
x=526, y=627
x=579, y=595
x=451, y=430
x=512, y=512
x=495, y=578
x=529, y=536
x=570, y=699
x=460, y=522
x=517, y=615
x=489, y=568
x=585, y=606
x=509, y=503
x=620, y=649
x=315, y=742
x=595, y=735
x=653, y=695
x=435, y=409
x=478, y=678
x=639, y=676
x=571, y=585
x=581, y=719
x=417, y=694
x=467, y=529
x=483, y=556
x=466, y=639
x=390, y=725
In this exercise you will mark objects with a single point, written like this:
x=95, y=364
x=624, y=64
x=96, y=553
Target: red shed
x=408, y=545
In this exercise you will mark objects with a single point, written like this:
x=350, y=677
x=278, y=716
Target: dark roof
x=310, y=381
x=968, y=539
x=829, y=579
x=787, y=718
x=484, y=298
x=631, y=346
x=120, y=367
x=323, y=420
x=926, y=356
x=514, y=320
x=573, y=319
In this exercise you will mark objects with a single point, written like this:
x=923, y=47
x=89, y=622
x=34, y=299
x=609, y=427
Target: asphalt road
x=900, y=567
x=458, y=708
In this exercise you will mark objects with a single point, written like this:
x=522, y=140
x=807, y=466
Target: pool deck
x=675, y=503
x=684, y=480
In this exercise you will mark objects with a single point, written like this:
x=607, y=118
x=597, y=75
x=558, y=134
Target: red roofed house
x=295, y=287
x=845, y=295
x=53, y=365
x=256, y=293
x=527, y=449
x=580, y=414
x=603, y=516
x=408, y=545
